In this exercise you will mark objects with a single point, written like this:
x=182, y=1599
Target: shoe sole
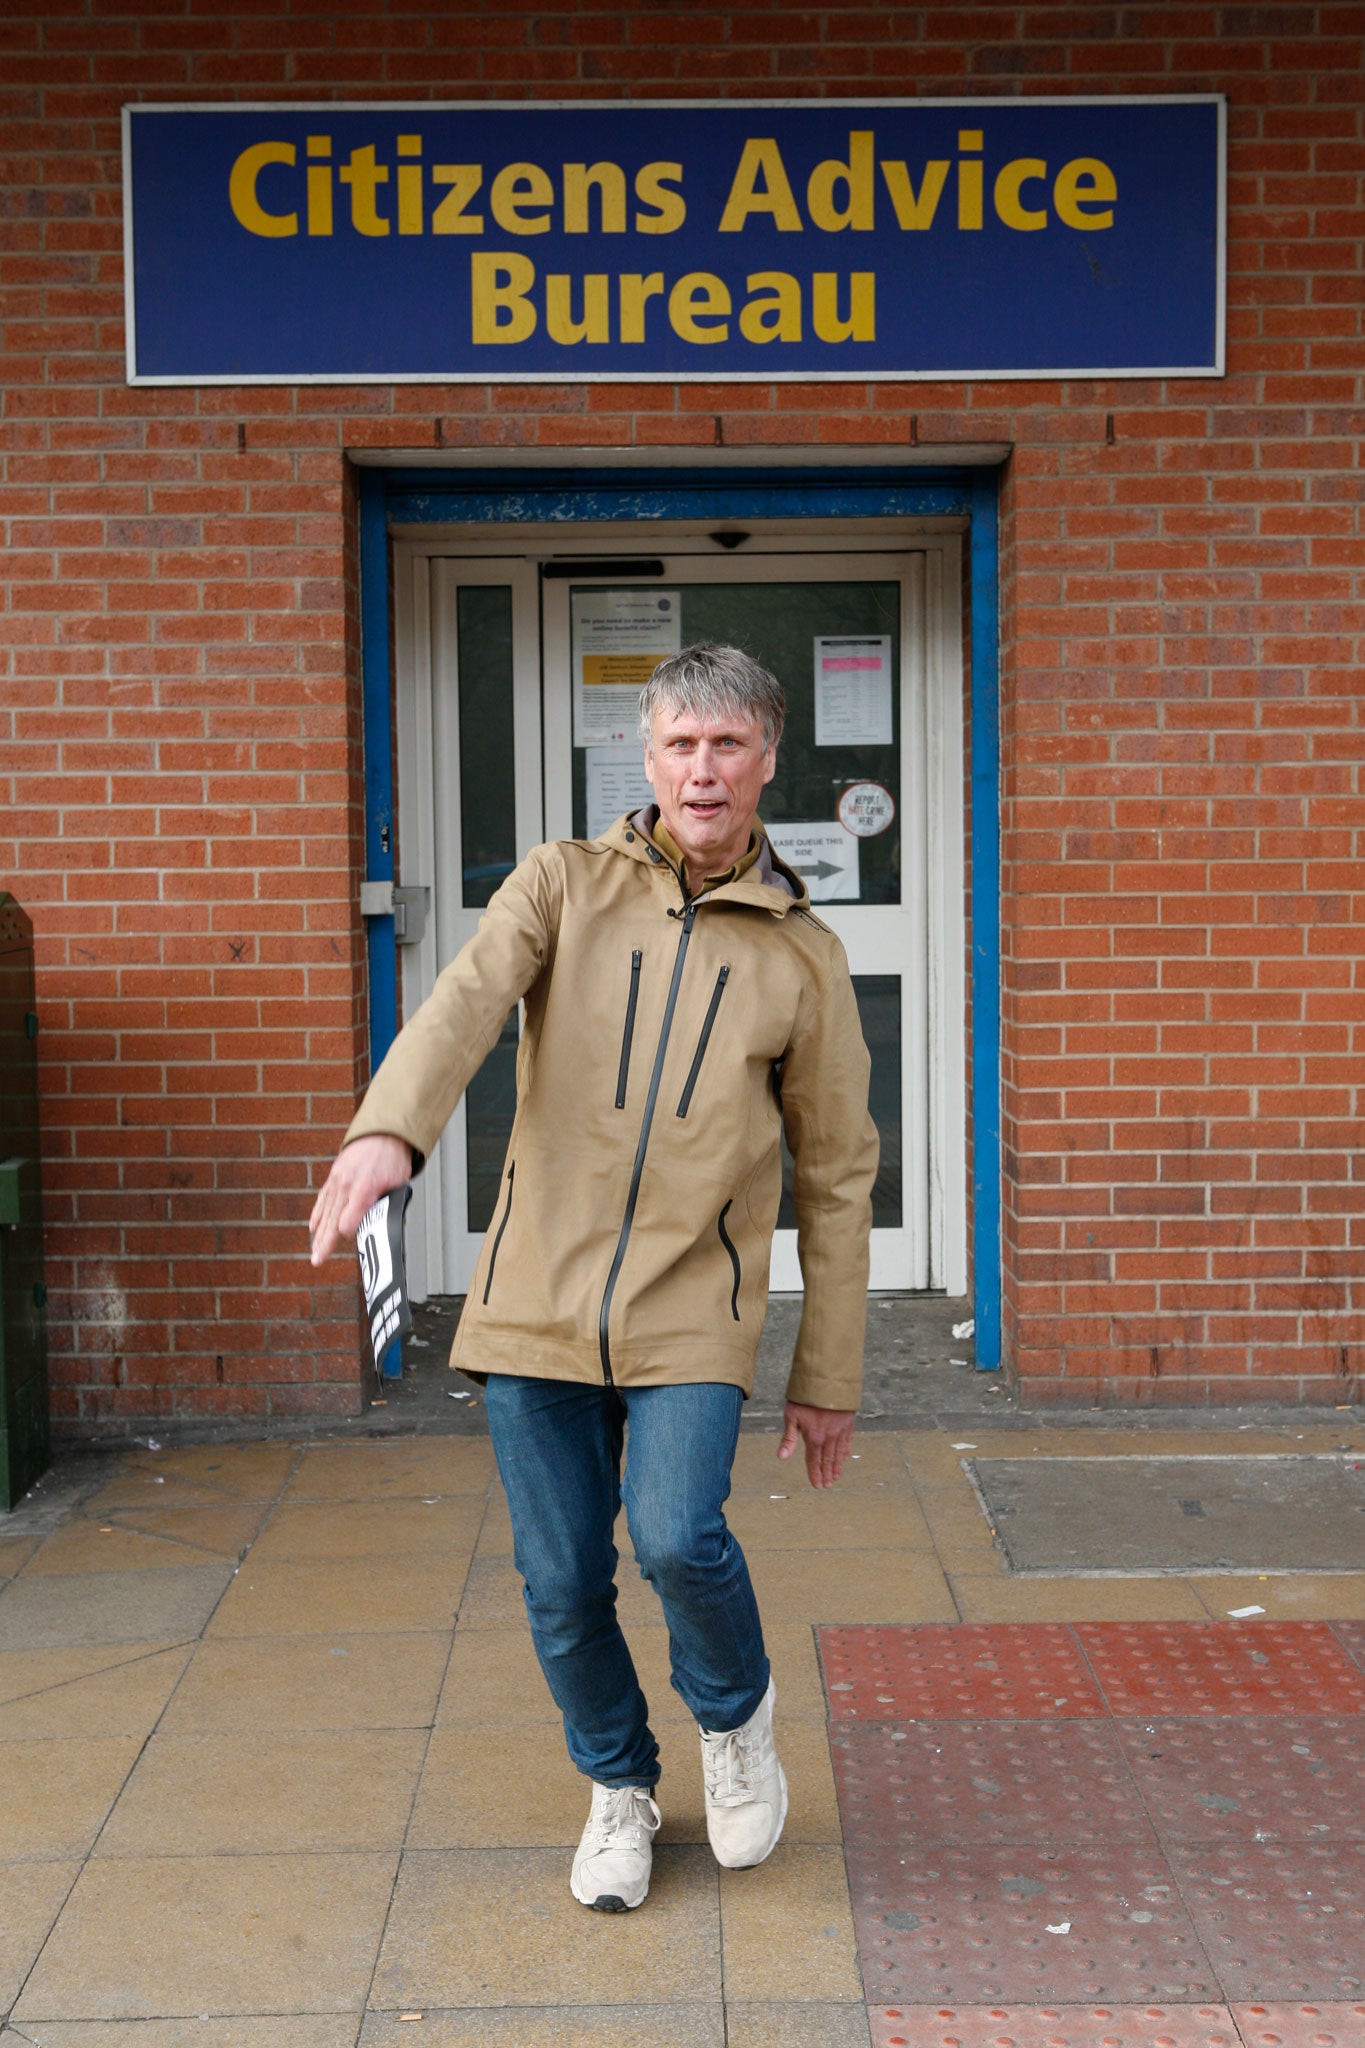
x=609, y=1902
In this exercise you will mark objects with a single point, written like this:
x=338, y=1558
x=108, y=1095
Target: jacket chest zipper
x=685, y=1102
x=623, y=1075
x=642, y=1142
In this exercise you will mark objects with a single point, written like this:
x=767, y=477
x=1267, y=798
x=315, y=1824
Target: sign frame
x=508, y=373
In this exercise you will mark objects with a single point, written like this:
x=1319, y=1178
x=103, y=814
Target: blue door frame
x=389, y=496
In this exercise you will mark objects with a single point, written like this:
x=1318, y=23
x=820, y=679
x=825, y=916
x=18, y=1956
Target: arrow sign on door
x=824, y=855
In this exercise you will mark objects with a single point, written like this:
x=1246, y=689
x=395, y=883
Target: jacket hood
x=769, y=884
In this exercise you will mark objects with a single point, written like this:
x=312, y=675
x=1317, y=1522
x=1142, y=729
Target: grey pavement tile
x=175, y=1936
x=58, y=1611
x=498, y=1927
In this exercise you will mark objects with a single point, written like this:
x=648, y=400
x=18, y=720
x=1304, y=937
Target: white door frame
x=430, y=566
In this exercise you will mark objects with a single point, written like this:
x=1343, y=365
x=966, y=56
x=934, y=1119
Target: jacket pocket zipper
x=728, y=1242
x=506, y=1212
x=623, y=1074
x=699, y=1055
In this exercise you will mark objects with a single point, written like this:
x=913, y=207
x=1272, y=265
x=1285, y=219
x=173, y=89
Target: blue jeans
x=559, y=1446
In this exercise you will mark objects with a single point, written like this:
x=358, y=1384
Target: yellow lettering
x=916, y=209
x=450, y=217
x=319, y=186
x=636, y=291
x=1085, y=181
x=242, y=189
x=970, y=185
x=699, y=293
x=610, y=181
x=516, y=187
x=409, y=187
x=499, y=283
x=777, y=317
x=861, y=324
x=855, y=176
x=363, y=174
x=560, y=324
x=762, y=156
x=651, y=190
x=1008, y=204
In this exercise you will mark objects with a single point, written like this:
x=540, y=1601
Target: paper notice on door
x=619, y=638
x=853, y=691
x=825, y=857
x=616, y=783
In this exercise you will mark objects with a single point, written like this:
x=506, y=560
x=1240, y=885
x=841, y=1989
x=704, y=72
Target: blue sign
x=933, y=238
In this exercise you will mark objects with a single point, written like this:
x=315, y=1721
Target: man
x=683, y=1006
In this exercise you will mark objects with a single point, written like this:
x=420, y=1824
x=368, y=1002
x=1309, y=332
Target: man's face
x=708, y=775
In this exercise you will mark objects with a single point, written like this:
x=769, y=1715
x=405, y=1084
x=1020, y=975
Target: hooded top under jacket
x=667, y=1042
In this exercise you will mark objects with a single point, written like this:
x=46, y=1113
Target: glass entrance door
x=866, y=805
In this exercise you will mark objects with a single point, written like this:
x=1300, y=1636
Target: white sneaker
x=746, y=1789
x=612, y=1863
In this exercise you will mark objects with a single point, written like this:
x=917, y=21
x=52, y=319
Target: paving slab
x=988, y=1781
x=1317, y=2025
x=792, y=2023
x=691, y=2023
x=56, y=1611
x=435, y=1526
x=404, y=1470
x=54, y=1795
x=176, y=1936
x=1209, y=1668
x=788, y=1927
x=272, y=2030
x=31, y=1896
x=303, y=1596
x=199, y=1795
x=1010, y=1672
x=331, y=1680
x=499, y=1927
x=1055, y=2026
x=100, y=1691
x=1279, y=1919
x=1148, y=1511
x=1263, y=1778
x=978, y=1923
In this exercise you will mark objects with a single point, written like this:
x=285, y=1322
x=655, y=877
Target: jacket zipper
x=727, y=1241
x=633, y=1196
x=629, y=1032
x=506, y=1212
x=700, y=1054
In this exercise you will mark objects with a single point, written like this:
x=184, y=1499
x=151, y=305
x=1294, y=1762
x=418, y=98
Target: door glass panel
x=488, y=812
x=779, y=624
x=490, y=1104
x=879, y=1012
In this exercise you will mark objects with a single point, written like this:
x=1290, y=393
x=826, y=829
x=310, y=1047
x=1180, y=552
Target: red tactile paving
x=1279, y=1919
x=985, y=1781
x=971, y=1671
x=1301, y=2026
x=1067, y=1922
x=1352, y=1634
x=1209, y=1667
x=1054, y=2026
x=1249, y=1778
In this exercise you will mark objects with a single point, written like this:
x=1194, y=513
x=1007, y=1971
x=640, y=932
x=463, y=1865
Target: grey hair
x=708, y=682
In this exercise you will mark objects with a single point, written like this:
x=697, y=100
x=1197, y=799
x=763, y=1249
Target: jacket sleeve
x=834, y=1146
x=438, y=1052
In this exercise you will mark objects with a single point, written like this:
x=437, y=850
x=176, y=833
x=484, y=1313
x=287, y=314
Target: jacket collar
x=768, y=885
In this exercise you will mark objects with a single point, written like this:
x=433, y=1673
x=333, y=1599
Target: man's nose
x=703, y=764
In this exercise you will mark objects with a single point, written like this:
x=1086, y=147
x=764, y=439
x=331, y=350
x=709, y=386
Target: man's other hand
x=828, y=1432
x=360, y=1174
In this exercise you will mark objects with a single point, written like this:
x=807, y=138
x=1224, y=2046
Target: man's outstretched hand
x=360, y=1174
x=828, y=1432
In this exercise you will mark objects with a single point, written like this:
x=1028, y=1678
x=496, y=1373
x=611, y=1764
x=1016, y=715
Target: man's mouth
x=705, y=807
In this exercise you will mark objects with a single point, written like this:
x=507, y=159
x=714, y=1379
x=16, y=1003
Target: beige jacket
x=666, y=1045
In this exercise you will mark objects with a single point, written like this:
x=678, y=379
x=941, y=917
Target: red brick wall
x=1180, y=726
